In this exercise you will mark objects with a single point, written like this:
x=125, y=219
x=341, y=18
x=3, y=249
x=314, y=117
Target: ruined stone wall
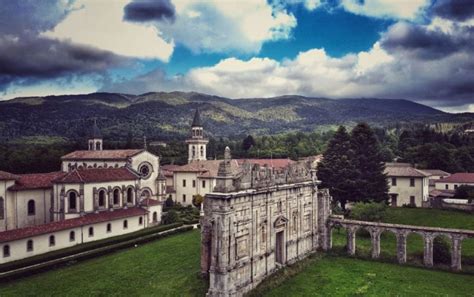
x=247, y=235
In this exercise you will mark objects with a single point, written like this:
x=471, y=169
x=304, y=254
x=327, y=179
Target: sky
x=421, y=50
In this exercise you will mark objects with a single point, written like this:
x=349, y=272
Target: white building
x=97, y=194
x=407, y=185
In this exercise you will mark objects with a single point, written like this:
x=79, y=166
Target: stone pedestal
x=375, y=239
x=428, y=250
x=456, y=253
x=402, y=247
x=351, y=241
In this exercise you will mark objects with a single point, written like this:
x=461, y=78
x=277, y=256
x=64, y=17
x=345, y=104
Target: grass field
x=170, y=267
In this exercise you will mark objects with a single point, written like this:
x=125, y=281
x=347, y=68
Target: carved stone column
x=375, y=240
x=81, y=199
x=428, y=250
x=351, y=240
x=327, y=238
x=402, y=247
x=110, y=198
x=456, y=252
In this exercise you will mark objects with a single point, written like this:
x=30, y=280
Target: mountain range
x=164, y=116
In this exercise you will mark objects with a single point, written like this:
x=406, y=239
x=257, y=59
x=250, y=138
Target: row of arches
x=427, y=247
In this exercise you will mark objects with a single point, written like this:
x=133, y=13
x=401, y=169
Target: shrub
x=198, y=200
x=464, y=192
x=170, y=217
x=169, y=202
x=374, y=212
x=441, y=250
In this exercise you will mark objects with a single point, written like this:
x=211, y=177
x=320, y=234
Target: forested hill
x=168, y=115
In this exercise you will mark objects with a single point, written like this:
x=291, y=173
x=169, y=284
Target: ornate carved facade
x=258, y=220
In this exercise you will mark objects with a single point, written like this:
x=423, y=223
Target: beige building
x=455, y=180
x=97, y=194
x=407, y=185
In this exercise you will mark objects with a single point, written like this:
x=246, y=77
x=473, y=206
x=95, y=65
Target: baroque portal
x=257, y=220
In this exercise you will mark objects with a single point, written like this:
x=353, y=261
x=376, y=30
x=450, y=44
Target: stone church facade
x=257, y=220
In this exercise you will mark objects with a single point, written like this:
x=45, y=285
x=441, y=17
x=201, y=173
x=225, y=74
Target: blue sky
x=414, y=49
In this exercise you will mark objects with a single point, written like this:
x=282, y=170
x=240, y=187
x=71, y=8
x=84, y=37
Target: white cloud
x=100, y=24
x=223, y=26
x=395, y=9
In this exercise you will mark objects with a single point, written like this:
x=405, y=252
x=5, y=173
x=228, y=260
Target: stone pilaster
x=428, y=250
x=351, y=240
x=401, y=247
x=81, y=199
x=110, y=198
x=375, y=240
x=456, y=252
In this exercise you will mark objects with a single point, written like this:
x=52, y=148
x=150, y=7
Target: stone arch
x=442, y=249
x=129, y=194
x=363, y=241
x=116, y=193
x=336, y=236
x=415, y=247
x=467, y=255
x=72, y=200
x=388, y=243
x=102, y=198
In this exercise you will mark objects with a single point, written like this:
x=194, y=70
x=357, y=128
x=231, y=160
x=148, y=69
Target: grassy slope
x=336, y=276
x=167, y=267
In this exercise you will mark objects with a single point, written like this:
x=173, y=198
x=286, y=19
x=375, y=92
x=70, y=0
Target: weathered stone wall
x=257, y=221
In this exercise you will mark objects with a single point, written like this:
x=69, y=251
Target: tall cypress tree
x=336, y=170
x=371, y=179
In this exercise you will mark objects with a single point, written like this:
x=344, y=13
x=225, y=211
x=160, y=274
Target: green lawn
x=170, y=267
x=338, y=276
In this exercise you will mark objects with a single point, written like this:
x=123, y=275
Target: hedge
x=79, y=248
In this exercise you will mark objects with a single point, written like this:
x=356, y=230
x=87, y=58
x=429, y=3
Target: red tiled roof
x=36, y=181
x=150, y=202
x=406, y=171
x=8, y=176
x=102, y=155
x=437, y=172
x=462, y=178
x=98, y=175
x=275, y=163
x=71, y=223
x=169, y=169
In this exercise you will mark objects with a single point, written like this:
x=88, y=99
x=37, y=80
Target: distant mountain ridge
x=161, y=115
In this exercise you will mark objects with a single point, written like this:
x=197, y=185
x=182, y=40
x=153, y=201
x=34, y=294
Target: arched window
x=29, y=245
x=102, y=198
x=2, y=208
x=52, y=240
x=72, y=236
x=202, y=151
x=72, y=202
x=91, y=146
x=91, y=231
x=125, y=224
x=31, y=208
x=155, y=217
x=109, y=227
x=194, y=151
x=6, y=251
x=129, y=195
x=116, y=196
x=140, y=221
x=97, y=145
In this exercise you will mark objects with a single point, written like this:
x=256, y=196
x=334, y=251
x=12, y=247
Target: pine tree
x=336, y=170
x=371, y=180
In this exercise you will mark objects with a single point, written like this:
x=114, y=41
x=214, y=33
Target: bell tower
x=95, y=138
x=197, y=144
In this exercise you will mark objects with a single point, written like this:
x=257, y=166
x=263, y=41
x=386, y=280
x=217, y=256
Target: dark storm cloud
x=149, y=10
x=33, y=58
x=31, y=16
x=457, y=10
x=427, y=44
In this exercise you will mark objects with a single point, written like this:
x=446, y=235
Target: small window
x=116, y=196
x=202, y=151
x=72, y=201
x=91, y=231
x=2, y=208
x=72, y=236
x=184, y=197
x=455, y=187
x=155, y=217
x=184, y=183
x=125, y=224
x=52, y=240
x=203, y=183
x=6, y=251
x=412, y=200
x=109, y=228
x=31, y=208
x=394, y=181
x=446, y=186
x=194, y=183
x=29, y=245
x=129, y=195
x=412, y=182
x=140, y=221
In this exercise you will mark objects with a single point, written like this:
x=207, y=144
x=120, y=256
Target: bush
x=198, y=200
x=441, y=250
x=373, y=212
x=170, y=217
x=464, y=192
x=169, y=203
